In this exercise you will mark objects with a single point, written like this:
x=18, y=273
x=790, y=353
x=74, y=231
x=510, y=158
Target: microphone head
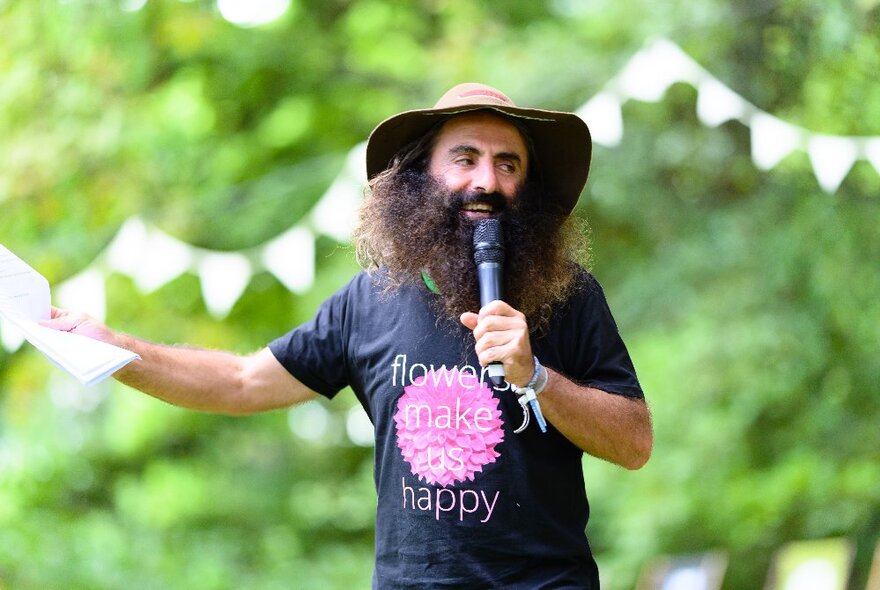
x=488, y=241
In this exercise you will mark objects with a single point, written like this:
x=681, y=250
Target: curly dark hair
x=410, y=223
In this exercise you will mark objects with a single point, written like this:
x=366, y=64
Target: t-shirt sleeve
x=315, y=352
x=597, y=355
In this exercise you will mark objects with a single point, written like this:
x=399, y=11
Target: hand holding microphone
x=489, y=258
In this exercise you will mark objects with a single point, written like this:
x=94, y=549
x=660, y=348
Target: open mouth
x=478, y=207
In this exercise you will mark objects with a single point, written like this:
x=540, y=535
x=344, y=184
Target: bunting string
x=152, y=258
x=661, y=63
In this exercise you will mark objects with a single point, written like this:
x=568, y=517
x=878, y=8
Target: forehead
x=484, y=130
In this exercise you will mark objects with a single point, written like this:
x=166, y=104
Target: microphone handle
x=489, y=278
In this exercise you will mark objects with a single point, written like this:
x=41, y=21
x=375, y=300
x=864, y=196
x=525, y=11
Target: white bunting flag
x=872, y=153
x=224, y=276
x=85, y=292
x=717, y=104
x=291, y=258
x=772, y=140
x=832, y=158
x=603, y=116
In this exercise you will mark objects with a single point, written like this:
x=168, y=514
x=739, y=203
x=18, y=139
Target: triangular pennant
x=164, y=259
x=651, y=71
x=872, y=153
x=831, y=157
x=356, y=163
x=603, y=116
x=336, y=213
x=717, y=104
x=128, y=247
x=85, y=292
x=224, y=276
x=291, y=258
x=150, y=256
x=772, y=140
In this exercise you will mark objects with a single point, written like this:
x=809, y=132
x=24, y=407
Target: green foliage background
x=749, y=299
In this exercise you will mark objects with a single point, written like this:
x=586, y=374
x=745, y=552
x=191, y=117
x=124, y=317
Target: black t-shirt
x=463, y=501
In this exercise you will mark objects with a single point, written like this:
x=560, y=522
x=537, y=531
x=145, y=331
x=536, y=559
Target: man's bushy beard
x=411, y=223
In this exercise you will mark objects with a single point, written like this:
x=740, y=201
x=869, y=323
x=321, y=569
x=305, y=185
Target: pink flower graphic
x=448, y=425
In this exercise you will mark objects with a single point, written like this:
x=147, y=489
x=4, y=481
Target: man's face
x=480, y=153
x=420, y=219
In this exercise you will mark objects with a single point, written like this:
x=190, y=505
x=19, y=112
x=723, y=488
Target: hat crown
x=472, y=94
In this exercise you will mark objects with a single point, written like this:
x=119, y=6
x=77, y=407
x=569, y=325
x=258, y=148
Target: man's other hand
x=78, y=323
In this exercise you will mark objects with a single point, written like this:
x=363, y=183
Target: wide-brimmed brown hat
x=561, y=140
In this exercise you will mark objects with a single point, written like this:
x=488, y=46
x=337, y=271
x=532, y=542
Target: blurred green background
x=748, y=297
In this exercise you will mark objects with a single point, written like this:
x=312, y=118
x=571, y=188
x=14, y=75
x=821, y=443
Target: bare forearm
x=208, y=380
x=612, y=427
x=189, y=377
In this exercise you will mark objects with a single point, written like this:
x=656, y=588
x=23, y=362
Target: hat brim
x=562, y=143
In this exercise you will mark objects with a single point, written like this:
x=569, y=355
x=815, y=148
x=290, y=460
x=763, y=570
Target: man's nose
x=484, y=178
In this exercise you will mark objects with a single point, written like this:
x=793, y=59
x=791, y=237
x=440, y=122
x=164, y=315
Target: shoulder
x=363, y=285
x=586, y=289
x=372, y=292
x=584, y=308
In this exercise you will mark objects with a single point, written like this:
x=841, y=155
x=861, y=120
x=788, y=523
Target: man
x=469, y=494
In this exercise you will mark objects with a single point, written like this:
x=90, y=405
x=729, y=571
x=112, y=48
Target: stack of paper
x=25, y=300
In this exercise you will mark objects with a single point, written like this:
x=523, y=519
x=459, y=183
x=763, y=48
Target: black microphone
x=489, y=257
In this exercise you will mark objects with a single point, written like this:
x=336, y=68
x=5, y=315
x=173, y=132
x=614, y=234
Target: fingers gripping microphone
x=489, y=258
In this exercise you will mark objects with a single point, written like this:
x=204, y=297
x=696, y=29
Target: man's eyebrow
x=469, y=149
x=512, y=156
x=463, y=149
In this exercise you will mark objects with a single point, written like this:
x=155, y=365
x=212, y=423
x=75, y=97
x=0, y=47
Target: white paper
x=25, y=300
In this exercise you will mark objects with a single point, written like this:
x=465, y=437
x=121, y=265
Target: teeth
x=479, y=207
